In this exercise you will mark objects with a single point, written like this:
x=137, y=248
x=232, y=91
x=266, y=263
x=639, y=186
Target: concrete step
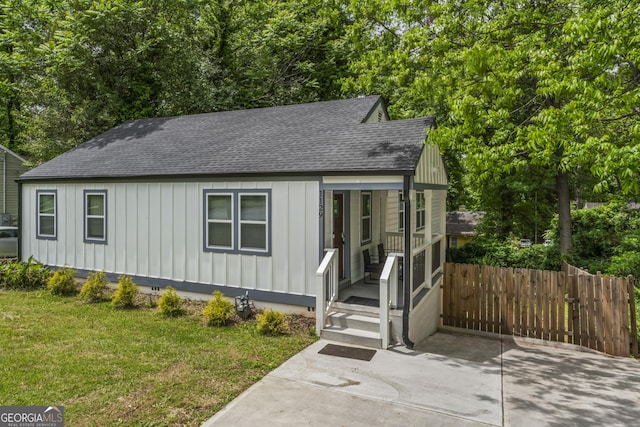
x=363, y=310
x=352, y=336
x=354, y=321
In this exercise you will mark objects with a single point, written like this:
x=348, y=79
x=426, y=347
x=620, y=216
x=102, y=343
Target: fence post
x=608, y=315
x=625, y=340
x=561, y=292
x=508, y=302
x=617, y=318
x=632, y=311
x=497, y=299
x=575, y=307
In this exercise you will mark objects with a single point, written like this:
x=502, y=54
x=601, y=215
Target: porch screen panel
x=418, y=269
x=435, y=256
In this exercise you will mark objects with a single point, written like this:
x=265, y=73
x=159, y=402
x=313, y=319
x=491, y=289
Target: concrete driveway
x=450, y=379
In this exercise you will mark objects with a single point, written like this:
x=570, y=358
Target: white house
x=255, y=200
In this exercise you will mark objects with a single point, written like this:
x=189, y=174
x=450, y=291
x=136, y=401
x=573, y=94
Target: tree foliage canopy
x=537, y=101
x=545, y=88
x=73, y=68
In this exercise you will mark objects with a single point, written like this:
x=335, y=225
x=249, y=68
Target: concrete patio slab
x=560, y=387
x=450, y=379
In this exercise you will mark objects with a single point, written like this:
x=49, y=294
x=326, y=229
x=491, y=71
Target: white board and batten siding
x=430, y=169
x=155, y=230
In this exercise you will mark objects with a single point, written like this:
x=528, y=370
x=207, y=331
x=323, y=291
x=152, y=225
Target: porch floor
x=363, y=290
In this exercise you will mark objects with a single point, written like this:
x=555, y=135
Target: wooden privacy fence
x=570, y=306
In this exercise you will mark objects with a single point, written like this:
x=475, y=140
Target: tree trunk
x=564, y=213
x=506, y=212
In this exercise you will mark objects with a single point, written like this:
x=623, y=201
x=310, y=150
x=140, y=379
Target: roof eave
x=280, y=174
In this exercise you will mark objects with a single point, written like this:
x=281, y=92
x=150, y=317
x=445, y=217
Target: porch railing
x=388, y=294
x=394, y=241
x=327, y=287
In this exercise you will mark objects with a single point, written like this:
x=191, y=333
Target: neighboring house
x=249, y=201
x=461, y=227
x=12, y=168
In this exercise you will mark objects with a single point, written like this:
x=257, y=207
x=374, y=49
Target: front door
x=338, y=231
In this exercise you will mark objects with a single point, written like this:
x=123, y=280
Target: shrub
x=24, y=275
x=94, y=288
x=484, y=251
x=125, y=294
x=272, y=322
x=62, y=282
x=170, y=304
x=218, y=311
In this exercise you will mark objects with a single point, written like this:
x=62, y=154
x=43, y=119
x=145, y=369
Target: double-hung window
x=237, y=221
x=47, y=214
x=400, y=211
x=420, y=210
x=95, y=216
x=365, y=215
x=253, y=222
x=219, y=231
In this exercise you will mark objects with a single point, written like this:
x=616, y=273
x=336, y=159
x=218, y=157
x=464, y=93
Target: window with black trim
x=365, y=210
x=46, y=217
x=237, y=221
x=95, y=216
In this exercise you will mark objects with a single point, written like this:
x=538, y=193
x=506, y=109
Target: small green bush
x=63, y=282
x=170, y=304
x=272, y=322
x=24, y=275
x=125, y=294
x=218, y=311
x=94, y=288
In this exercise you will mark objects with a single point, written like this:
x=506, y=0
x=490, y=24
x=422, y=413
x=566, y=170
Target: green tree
x=544, y=88
x=107, y=62
x=291, y=52
x=23, y=27
x=73, y=68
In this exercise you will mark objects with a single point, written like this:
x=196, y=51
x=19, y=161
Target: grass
x=128, y=367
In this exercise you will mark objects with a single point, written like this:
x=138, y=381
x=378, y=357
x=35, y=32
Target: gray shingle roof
x=314, y=138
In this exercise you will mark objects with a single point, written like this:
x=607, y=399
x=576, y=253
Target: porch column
x=408, y=260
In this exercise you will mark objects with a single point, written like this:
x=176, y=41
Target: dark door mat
x=363, y=301
x=348, y=352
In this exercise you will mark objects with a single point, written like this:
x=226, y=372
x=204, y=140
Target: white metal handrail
x=326, y=287
x=388, y=294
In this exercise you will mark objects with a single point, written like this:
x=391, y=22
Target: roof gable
x=322, y=137
x=17, y=156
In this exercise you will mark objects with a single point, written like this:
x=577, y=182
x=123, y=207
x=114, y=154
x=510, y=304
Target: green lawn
x=128, y=367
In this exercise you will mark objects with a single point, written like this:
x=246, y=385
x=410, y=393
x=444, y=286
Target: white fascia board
x=358, y=182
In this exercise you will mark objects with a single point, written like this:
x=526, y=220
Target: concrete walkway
x=450, y=379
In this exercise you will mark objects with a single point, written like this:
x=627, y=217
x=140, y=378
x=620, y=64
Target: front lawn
x=128, y=367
